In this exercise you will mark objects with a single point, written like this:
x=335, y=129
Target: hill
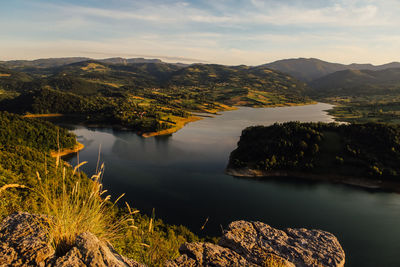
x=30, y=179
x=41, y=63
x=314, y=150
x=358, y=82
x=361, y=95
x=25, y=146
x=309, y=69
x=29, y=65
x=13, y=82
x=149, y=97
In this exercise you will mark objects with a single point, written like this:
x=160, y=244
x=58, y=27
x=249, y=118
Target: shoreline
x=178, y=126
x=200, y=116
x=43, y=115
x=67, y=151
x=172, y=130
x=386, y=185
x=288, y=104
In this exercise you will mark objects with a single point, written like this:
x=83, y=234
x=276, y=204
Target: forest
x=144, y=97
x=365, y=150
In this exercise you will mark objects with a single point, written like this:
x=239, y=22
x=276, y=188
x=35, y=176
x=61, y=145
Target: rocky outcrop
x=258, y=244
x=23, y=242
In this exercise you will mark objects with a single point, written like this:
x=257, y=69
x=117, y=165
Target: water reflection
x=182, y=177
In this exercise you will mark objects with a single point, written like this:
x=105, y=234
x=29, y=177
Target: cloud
x=341, y=13
x=220, y=31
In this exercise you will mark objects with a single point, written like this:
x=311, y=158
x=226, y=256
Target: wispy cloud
x=345, y=13
x=222, y=31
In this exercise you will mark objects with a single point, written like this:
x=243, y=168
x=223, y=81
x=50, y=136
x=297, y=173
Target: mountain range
x=358, y=83
x=57, y=62
x=309, y=69
x=87, y=76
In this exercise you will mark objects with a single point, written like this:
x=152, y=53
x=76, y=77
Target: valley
x=144, y=97
x=118, y=100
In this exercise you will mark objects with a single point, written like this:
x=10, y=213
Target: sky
x=230, y=32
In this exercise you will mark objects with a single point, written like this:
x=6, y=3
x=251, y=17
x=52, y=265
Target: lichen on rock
x=258, y=244
x=24, y=242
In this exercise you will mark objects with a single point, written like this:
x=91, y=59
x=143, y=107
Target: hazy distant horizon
x=188, y=61
x=230, y=32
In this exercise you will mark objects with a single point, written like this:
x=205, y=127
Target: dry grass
x=94, y=67
x=7, y=186
x=43, y=115
x=179, y=124
x=272, y=260
x=72, y=210
x=63, y=152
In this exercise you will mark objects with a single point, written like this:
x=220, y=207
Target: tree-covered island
x=360, y=154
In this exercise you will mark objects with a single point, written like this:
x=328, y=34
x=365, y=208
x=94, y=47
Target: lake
x=182, y=177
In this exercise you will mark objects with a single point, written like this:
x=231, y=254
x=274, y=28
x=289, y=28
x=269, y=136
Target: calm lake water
x=182, y=177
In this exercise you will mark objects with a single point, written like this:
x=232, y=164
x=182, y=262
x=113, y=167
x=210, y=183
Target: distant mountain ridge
x=309, y=69
x=304, y=69
x=92, y=76
x=58, y=62
x=358, y=82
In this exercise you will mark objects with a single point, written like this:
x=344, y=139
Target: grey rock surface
x=23, y=242
x=254, y=244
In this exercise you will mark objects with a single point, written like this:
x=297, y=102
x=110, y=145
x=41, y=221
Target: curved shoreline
x=67, y=151
x=386, y=185
x=172, y=130
x=179, y=125
x=43, y=115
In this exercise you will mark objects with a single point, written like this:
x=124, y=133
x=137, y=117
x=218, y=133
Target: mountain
x=30, y=65
x=227, y=82
x=147, y=97
x=124, y=61
x=358, y=83
x=41, y=63
x=308, y=69
x=91, y=77
x=10, y=80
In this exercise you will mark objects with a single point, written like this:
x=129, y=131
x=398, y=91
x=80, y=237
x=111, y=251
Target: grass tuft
x=7, y=186
x=73, y=210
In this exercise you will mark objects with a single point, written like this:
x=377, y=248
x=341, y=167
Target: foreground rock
x=258, y=244
x=23, y=242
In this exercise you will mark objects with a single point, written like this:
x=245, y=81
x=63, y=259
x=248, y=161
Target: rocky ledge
x=23, y=242
x=258, y=244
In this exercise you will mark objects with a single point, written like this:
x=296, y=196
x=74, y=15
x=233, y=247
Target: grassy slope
x=24, y=155
x=151, y=97
x=361, y=96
